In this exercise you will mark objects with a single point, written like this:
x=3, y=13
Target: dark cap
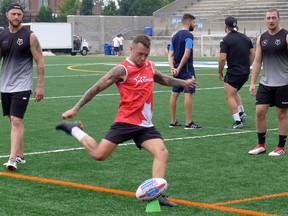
x=14, y=5
x=231, y=22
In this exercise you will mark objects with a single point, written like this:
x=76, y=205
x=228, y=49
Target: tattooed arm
x=117, y=74
x=165, y=80
x=36, y=51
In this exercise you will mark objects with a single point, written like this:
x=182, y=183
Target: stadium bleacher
x=210, y=16
x=244, y=10
x=215, y=11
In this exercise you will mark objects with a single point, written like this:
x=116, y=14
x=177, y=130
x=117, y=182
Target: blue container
x=107, y=49
x=148, y=31
x=112, y=51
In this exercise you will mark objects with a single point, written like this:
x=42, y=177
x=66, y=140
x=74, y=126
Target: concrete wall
x=98, y=30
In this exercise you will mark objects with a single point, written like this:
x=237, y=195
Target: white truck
x=58, y=37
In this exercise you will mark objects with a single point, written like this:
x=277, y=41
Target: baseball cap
x=14, y=5
x=231, y=22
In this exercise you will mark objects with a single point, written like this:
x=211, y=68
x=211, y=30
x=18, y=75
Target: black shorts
x=116, y=49
x=121, y=47
x=236, y=81
x=275, y=96
x=120, y=132
x=185, y=90
x=15, y=104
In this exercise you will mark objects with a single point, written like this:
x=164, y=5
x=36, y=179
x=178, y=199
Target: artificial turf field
x=209, y=171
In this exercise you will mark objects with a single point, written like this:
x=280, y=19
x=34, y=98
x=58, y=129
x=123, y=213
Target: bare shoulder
x=34, y=42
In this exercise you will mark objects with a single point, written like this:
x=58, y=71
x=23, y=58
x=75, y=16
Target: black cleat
x=237, y=125
x=192, y=125
x=243, y=116
x=67, y=126
x=164, y=202
x=175, y=124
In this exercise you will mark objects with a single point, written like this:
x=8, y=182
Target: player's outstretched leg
x=67, y=126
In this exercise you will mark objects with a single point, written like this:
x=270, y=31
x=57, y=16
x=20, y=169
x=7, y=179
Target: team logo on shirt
x=264, y=42
x=140, y=79
x=19, y=41
x=277, y=42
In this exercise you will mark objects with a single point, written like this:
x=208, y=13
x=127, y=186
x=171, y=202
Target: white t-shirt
x=116, y=41
x=121, y=40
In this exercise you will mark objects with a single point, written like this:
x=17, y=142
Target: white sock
x=236, y=117
x=240, y=108
x=78, y=133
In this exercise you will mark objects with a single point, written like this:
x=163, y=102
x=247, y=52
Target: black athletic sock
x=282, y=141
x=261, y=138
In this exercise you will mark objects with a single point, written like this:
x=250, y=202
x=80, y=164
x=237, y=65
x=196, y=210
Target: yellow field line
x=215, y=206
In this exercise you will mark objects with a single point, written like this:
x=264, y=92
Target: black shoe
x=192, y=125
x=237, y=125
x=67, y=126
x=175, y=124
x=164, y=202
x=243, y=116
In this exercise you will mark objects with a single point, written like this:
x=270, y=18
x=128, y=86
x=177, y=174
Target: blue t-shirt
x=182, y=40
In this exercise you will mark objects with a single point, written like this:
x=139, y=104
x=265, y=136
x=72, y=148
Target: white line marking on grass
x=114, y=94
x=165, y=140
x=75, y=96
x=117, y=94
x=48, y=152
x=68, y=76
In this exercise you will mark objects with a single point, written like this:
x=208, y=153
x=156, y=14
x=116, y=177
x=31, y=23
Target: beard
x=191, y=28
x=15, y=23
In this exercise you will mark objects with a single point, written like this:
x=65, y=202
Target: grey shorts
x=120, y=132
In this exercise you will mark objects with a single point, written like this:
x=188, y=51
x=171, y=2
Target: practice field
x=209, y=171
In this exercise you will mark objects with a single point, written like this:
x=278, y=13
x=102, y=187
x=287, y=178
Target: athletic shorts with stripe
x=15, y=104
x=120, y=132
x=275, y=96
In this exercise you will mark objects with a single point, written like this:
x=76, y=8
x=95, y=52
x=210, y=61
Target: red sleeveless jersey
x=136, y=92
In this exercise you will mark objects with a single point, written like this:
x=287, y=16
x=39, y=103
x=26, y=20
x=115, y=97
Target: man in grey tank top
x=272, y=51
x=18, y=48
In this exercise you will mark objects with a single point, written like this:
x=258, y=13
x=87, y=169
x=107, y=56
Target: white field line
x=117, y=94
x=132, y=143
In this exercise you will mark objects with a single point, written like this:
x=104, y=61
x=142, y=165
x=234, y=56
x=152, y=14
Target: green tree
x=45, y=15
x=4, y=6
x=110, y=9
x=68, y=7
x=87, y=7
x=140, y=7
